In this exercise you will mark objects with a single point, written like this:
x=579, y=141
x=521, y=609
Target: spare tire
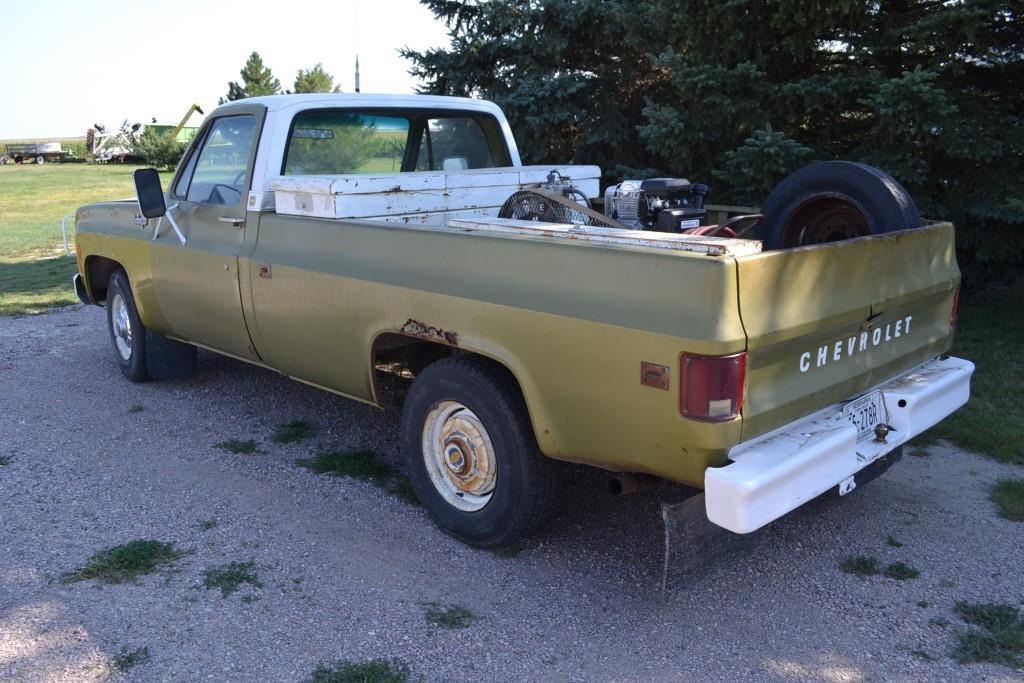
x=835, y=200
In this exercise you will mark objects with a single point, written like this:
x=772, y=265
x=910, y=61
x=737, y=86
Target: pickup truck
x=352, y=242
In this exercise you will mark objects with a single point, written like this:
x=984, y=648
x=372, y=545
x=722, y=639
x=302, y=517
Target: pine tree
x=742, y=92
x=315, y=80
x=257, y=80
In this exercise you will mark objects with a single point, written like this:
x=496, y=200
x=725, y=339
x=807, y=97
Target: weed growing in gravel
x=230, y=577
x=921, y=654
x=923, y=604
x=207, y=524
x=126, y=562
x=1008, y=495
x=236, y=446
x=373, y=671
x=365, y=465
x=901, y=571
x=449, y=616
x=861, y=565
x=129, y=659
x=509, y=551
x=137, y=408
x=998, y=638
x=291, y=432
x=893, y=542
x=919, y=452
x=941, y=622
x=4, y=461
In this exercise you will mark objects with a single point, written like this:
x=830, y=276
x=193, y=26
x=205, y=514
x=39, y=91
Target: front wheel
x=473, y=459
x=126, y=330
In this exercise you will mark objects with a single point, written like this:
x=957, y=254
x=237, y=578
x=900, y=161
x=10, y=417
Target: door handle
x=237, y=222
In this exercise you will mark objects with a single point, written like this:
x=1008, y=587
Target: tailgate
x=824, y=323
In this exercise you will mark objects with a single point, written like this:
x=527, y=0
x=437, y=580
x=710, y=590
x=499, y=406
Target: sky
x=71, y=64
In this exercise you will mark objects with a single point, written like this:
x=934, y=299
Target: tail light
x=955, y=312
x=711, y=387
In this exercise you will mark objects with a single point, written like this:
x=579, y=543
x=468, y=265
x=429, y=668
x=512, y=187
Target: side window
x=324, y=142
x=455, y=143
x=221, y=165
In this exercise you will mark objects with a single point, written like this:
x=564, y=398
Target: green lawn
x=35, y=276
x=990, y=333
x=34, y=273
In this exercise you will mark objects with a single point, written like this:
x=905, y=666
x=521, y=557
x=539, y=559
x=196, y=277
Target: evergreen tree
x=744, y=91
x=315, y=80
x=257, y=80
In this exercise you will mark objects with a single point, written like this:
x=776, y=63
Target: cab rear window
x=344, y=141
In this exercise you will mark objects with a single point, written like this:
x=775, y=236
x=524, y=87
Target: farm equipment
x=117, y=146
x=39, y=152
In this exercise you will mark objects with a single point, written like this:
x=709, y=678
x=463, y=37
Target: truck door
x=197, y=283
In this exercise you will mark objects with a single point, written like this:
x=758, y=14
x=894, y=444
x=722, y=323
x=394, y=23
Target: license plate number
x=865, y=412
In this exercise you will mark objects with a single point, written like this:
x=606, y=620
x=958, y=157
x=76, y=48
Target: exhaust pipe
x=624, y=483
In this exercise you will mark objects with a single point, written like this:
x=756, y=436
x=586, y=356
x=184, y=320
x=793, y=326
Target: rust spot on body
x=417, y=329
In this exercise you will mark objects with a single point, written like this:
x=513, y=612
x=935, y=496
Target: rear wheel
x=472, y=456
x=835, y=200
x=127, y=333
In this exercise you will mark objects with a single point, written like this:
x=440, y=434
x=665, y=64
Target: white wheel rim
x=459, y=456
x=121, y=326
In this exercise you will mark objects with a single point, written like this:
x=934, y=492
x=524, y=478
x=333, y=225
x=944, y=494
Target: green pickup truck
x=365, y=244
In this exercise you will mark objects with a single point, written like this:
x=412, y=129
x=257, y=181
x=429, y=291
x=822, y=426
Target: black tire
x=526, y=481
x=835, y=200
x=127, y=333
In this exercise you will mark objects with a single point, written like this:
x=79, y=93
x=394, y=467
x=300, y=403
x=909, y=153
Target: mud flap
x=168, y=359
x=693, y=545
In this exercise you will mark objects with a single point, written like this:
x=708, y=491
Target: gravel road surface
x=349, y=571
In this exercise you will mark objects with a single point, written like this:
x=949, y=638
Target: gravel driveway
x=349, y=571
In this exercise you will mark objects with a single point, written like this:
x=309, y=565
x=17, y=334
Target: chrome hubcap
x=122, y=326
x=459, y=456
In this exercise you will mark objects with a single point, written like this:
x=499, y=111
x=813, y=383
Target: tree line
x=258, y=80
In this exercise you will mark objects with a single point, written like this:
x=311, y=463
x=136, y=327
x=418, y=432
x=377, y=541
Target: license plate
x=865, y=412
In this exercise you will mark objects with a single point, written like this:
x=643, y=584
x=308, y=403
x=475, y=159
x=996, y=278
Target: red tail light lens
x=955, y=312
x=711, y=387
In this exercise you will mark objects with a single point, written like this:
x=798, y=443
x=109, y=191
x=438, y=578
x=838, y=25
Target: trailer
x=39, y=152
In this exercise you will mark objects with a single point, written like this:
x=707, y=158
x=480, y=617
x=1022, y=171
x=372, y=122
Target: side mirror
x=150, y=194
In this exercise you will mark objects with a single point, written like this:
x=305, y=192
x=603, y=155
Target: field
x=34, y=272
x=36, y=276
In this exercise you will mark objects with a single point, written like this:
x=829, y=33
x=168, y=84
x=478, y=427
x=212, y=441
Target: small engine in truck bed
x=661, y=204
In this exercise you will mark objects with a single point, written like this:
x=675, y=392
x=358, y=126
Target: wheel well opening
x=98, y=270
x=397, y=359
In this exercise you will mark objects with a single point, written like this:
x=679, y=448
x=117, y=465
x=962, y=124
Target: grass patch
x=365, y=465
x=236, y=446
x=998, y=637
x=373, y=671
x=918, y=451
x=990, y=332
x=137, y=408
x=291, y=432
x=34, y=273
x=449, y=616
x=861, y=565
x=229, y=577
x=901, y=571
x=1008, y=495
x=893, y=542
x=207, y=524
x=129, y=659
x=127, y=561
x=5, y=460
